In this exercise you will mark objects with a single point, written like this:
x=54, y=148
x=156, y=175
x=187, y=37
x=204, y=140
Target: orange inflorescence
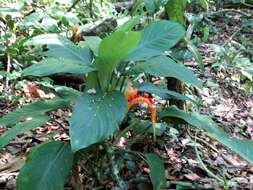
x=133, y=98
x=140, y=100
x=76, y=35
x=130, y=93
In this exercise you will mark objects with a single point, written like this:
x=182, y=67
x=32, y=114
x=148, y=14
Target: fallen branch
x=94, y=28
x=227, y=11
x=123, y=5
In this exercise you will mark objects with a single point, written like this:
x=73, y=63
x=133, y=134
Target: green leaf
x=49, y=24
x=92, y=42
x=206, y=33
x=60, y=47
x=181, y=54
x=165, y=67
x=32, y=21
x=128, y=25
x=157, y=171
x=34, y=122
x=220, y=50
x=115, y=48
x=196, y=55
x=112, y=50
x=57, y=65
x=143, y=126
x=175, y=10
x=150, y=5
x=76, y=54
x=157, y=38
x=33, y=110
x=65, y=92
x=13, y=12
x=242, y=147
x=204, y=4
x=49, y=39
x=95, y=117
x=92, y=81
x=165, y=94
x=46, y=168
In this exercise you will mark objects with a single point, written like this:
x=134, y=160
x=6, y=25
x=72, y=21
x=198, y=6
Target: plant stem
x=123, y=82
x=8, y=70
x=75, y=178
x=209, y=172
x=115, y=169
x=124, y=131
x=154, y=131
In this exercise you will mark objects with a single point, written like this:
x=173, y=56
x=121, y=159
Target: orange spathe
x=133, y=98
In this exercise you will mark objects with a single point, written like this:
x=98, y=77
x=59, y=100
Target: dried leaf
x=33, y=91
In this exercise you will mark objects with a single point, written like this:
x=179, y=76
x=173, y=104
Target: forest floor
x=223, y=98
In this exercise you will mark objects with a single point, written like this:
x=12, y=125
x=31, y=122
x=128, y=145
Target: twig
x=203, y=141
x=247, y=4
x=75, y=179
x=73, y=5
x=232, y=36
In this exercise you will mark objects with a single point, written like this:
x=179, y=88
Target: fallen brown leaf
x=192, y=176
x=33, y=91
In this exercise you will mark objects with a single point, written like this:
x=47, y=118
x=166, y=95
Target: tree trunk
x=177, y=86
x=175, y=11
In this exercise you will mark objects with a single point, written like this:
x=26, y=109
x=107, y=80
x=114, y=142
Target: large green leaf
x=112, y=50
x=67, y=93
x=92, y=81
x=77, y=54
x=60, y=47
x=165, y=94
x=57, y=65
x=165, y=67
x=46, y=168
x=95, y=117
x=20, y=128
x=33, y=110
x=53, y=39
x=116, y=47
x=157, y=38
x=157, y=171
x=242, y=147
x=92, y=42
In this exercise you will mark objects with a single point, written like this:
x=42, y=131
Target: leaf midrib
x=140, y=45
x=50, y=164
x=75, y=52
